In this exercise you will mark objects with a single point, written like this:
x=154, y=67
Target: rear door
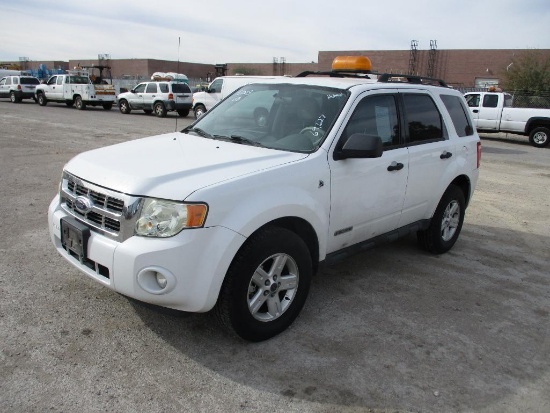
x=430, y=153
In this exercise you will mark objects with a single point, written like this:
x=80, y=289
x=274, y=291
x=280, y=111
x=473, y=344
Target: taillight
x=171, y=96
x=478, y=154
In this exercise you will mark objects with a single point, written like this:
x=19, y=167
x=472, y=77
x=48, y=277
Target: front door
x=367, y=194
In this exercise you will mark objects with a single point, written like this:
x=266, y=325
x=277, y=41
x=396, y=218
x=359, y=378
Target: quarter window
x=423, y=120
x=456, y=109
x=163, y=87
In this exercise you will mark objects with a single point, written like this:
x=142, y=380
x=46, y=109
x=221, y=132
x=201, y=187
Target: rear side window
x=180, y=88
x=29, y=81
x=423, y=119
x=457, y=111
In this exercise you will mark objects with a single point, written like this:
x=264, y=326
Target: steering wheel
x=314, y=133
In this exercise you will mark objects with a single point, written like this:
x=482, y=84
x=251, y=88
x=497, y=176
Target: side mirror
x=360, y=145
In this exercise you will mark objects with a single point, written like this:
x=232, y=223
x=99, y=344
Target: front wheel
x=539, y=137
x=79, y=103
x=160, y=110
x=199, y=111
x=266, y=285
x=124, y=107
x=446, y=223
x=183, y=112
x=42, y=101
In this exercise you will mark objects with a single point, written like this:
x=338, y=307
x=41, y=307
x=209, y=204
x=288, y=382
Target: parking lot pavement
x=390, y=330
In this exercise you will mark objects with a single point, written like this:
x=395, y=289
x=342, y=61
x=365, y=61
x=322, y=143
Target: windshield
x=279, y=116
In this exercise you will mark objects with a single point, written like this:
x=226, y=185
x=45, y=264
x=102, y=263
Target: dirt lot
x=391, y=330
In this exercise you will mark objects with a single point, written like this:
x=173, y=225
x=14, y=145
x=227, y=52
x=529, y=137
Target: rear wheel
x=79, y=103
x=159, y=109
x=266, y=285
x=42, y=101
x=107, y=106
x=124, y=107
x=446, y=223
x=183, y=112
x=14, y=98
x=539, y=137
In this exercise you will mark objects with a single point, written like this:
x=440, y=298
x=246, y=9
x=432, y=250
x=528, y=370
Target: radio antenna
x=178, y=71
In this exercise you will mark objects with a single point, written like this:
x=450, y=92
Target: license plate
x=74, y=238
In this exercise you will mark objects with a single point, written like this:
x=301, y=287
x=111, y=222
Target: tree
x=529, y=73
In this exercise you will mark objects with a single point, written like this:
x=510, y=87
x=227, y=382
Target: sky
x=246, y=31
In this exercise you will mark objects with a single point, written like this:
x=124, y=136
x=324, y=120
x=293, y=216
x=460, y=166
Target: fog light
x=161, y=280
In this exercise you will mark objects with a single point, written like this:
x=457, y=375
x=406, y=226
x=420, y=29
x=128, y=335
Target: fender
x=535, y=122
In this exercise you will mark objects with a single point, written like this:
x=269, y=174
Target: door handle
x=475, y=110
x=445, y=155
x=395, y=166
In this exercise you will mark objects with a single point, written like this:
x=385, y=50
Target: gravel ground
x=391, y=330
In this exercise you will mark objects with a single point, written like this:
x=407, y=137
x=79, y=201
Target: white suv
x=235, y=212
x=17, y=88
x=159, y=97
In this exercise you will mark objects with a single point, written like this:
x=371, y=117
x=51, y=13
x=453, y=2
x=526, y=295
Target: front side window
x=490, y=101
x=140, y=88
x=473, y=100
x=423, y=120
x=288, y=117
x=52, y=80
x=457, y=111
x=3, y=81
x=8, y=81
x=216, y=86
x=376, y=116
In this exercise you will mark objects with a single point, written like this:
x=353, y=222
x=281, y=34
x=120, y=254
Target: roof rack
x=419, y=80
x=349, y=73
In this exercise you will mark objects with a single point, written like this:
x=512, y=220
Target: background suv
x=159, y=97
x=18, y=88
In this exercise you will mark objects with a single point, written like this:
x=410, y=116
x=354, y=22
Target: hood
x=173, y=165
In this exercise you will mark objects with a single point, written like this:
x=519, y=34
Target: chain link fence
x=520, y=99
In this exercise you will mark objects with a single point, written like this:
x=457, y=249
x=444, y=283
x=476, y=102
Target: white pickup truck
x=234, y=213
x=493, y=112
x=76, y=88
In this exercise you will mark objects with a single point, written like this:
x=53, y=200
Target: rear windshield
x=29, y=81
x=180, y=88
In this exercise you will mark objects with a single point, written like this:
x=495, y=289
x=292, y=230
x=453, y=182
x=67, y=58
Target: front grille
x=106, y=211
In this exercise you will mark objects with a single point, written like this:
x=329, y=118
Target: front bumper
x=194, y=263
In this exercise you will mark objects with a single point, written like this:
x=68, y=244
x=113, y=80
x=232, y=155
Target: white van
x=219, y=89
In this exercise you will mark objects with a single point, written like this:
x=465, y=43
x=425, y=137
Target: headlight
x=160, y=218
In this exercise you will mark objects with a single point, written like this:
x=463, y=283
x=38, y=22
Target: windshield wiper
x=199, y=132
x=242, y=139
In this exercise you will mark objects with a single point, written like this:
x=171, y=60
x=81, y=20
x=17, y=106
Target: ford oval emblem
x=83, y=204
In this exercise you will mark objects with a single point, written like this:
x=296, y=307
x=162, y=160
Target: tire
x=42, y=101
x=107, y=106
x=124, y=107
x=539, y=137
x=69, y=103
x=148, y=111
x=79, y=103
x=183, y=112
x=14, y=98
x=446, y=222
x=199, y=111
x=159, y=109
x=270, y=273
